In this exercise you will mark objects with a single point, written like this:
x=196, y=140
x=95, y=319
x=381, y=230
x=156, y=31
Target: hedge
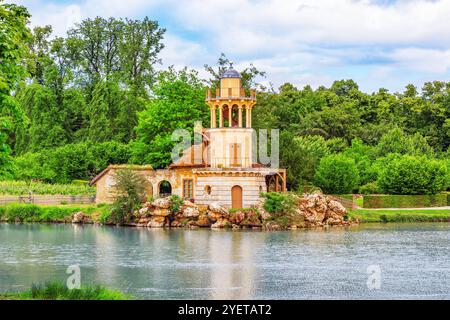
x=406, y=201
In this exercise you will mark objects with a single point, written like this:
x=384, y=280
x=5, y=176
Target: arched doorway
x=164, y=189
x=236, y=197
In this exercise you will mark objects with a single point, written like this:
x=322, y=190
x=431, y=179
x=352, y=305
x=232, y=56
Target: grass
x=47, y=213
x=367, y=215
x=59, y=291
x=39, y=188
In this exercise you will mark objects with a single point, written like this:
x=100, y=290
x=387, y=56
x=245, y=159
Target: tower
x=231, y=133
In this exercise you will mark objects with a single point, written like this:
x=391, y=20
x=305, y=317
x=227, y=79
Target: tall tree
x=14, y=36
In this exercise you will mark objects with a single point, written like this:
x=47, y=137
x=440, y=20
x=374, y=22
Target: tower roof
x=231, y=73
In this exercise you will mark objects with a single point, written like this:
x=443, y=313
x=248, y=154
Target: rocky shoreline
x=309, y=211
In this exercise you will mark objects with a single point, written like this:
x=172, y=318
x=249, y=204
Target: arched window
x=164, y=188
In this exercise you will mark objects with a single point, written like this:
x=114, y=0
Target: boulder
x=217, y=208
x=190, y=211
x=337, y=207
x=221, y=223
x=161, y=212
x=80, y=217
x=156, y=222
x=237, y=217
x=203, y=221
x=162, y=203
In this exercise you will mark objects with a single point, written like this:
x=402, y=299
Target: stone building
x=222, y=168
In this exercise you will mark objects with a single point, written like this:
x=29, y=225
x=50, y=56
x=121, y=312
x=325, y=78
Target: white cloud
x=302, y=41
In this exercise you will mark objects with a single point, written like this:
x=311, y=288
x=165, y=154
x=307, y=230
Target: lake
x=411, y=261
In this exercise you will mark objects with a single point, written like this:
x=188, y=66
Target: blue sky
x=378, y=43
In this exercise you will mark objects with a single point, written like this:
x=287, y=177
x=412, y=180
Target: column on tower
x=213, y=116
x=220, y=117
x=250, y=117
x=230, y=116
x=247, y=117
x=240, y=117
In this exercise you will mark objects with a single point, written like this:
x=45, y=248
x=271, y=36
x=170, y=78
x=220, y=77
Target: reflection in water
x=204, y=264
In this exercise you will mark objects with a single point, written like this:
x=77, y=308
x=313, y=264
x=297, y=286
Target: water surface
x=414, y=260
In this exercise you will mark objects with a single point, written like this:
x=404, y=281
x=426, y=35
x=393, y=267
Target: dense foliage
x=337, y=174
x=93, y=98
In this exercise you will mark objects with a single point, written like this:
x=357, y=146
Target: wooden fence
x=46, y=199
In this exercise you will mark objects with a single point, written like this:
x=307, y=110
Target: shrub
x=369, y=188
x=337, y=174
x=276, y=202
x=412, y=175
x=405, y=201
x=130, y=192
x=175, y=203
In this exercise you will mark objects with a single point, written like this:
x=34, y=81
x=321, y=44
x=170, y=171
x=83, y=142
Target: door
x=236, y=197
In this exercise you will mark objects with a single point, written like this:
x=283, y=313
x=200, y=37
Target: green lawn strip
x=14, y=188
x=59, y=291
x=48, y=213
x=367, y=215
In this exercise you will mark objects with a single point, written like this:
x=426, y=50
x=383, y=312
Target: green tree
x=337, y=174
x=14, y=36
x=178, y=102
x=301, y=156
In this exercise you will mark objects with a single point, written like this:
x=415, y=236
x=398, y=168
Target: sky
x=378, y=43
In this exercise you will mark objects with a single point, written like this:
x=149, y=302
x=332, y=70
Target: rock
x=235, y=226
x=161, y=212
x=162, y=203
x=264, y=214
x=80, y=217
x=337, y=207
x=190, y=212
x=143, y=211
x=188, y=203
x=217, y=208
x=221, y=223
x=176, y=224
x=203, y=221
x=156, y=222
x=237, y=217
x=271, y=226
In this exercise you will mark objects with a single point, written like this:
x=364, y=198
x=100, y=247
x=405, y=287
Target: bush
x=337, y=174
x=276, y=202
x=130, y=192
x=369, y=188
x=412, y=175
x=405, y=201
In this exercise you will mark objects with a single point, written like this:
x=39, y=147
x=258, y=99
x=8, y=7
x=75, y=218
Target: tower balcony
x=233, y=93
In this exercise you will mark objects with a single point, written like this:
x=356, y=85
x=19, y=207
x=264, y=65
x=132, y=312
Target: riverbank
x=99, y=214
x=59, y=291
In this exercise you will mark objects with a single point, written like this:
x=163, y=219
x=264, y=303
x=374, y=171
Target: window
x=208, y=190
x=188, y=191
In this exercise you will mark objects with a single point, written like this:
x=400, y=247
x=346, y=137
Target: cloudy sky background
x=378, y=43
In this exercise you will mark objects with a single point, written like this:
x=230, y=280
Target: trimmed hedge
x=405, y=201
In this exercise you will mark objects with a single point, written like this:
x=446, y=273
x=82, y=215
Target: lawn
x=367, y=215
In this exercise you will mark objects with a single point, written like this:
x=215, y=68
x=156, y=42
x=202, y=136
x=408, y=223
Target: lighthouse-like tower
x=231, y=123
